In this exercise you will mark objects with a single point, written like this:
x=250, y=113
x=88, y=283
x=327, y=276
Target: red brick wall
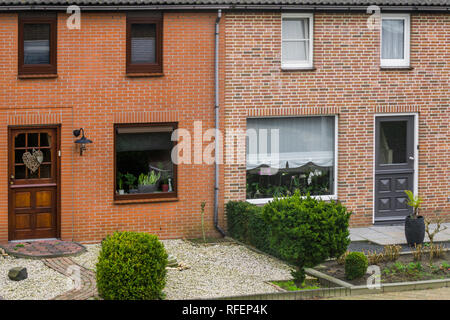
x=349, y=83
x=93, y=92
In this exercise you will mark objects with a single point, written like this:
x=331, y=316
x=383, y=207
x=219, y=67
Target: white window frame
x=406, y=50
x=329, y=197
x=295, y=65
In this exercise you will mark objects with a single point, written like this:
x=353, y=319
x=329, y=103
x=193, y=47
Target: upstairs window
x=297, y=41
x=144, y=44
x=395, y=30
x=37, y=44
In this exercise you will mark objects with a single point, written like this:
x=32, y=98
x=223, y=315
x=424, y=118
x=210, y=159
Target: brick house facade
x=92, y=90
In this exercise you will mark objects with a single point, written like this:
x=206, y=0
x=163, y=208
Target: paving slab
x=431, y=294
x=385, y=235
x=38, y=249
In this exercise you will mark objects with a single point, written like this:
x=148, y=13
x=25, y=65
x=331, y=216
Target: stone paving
x=43, y=249
x=384, y=235
x=87, y=281
x=430, y=294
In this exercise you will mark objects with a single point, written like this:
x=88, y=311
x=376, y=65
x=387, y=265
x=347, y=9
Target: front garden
x=294, y=243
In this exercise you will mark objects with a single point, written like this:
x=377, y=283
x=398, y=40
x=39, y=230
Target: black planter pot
x=414, y=230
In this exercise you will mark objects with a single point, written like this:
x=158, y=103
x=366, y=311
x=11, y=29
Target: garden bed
x=289, y=285
x=403, y=269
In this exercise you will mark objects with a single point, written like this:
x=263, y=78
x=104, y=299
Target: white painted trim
x=405, y=62
x=333, y=196
x=267, y=200
x=299, y=65
x=416, y=152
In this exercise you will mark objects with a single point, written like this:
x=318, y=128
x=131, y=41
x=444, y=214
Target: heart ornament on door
x=33, y=160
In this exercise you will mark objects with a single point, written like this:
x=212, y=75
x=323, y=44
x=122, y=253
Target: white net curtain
x=300, y=141
x=295, y=39
x=393, y=39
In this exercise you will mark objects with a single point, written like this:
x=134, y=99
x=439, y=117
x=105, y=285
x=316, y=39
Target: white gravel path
x=223, y=269
x=217, y=270
x=42, y=283
x=89, y=258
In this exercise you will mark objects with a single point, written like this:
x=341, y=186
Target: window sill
x=263, y=201
x=396, y=68
x=297, y=69
x=139, y=201
x=143, y=75
x=38, y=76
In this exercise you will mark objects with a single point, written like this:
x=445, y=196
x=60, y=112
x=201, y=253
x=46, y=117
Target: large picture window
x=143, y=163
x=289, y=154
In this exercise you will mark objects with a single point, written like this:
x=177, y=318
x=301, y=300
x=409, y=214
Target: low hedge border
x=246, y=225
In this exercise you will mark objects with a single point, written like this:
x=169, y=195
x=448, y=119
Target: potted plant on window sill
x=130, y=179
x=165, y=181
x=148, y=183
x=120, y=183
x=414, y=224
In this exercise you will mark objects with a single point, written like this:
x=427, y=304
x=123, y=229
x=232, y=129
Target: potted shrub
x=414, y=224
x=165, y=181
x=148, y=183
x=120, y=183
x=130, y=179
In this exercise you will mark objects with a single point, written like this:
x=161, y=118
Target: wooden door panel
x=23, y=199
x=33, y=204
x=23, y=221
x=43, y=199
x=44, y=220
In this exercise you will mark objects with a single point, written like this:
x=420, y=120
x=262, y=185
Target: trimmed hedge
x=131, y=266
x=301, y=230
x=246, y=224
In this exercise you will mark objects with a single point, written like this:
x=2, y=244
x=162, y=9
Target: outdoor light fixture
x=82, y=141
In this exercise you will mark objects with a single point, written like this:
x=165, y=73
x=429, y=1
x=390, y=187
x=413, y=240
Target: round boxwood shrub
x=306, y=231
x=131, y=266
x=356, y=264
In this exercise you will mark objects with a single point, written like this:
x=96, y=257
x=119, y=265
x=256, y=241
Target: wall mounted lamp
x=82, y=141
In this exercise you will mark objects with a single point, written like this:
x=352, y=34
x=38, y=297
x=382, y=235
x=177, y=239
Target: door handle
x=411, y=158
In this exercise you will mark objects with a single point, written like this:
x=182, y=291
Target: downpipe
x=216, y=125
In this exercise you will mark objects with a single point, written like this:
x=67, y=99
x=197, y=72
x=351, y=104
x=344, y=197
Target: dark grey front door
x=394, y=167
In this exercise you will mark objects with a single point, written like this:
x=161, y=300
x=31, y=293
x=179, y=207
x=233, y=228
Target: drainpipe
x=216, y=125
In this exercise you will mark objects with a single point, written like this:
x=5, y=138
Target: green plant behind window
x=150, y=179
x=130, y=179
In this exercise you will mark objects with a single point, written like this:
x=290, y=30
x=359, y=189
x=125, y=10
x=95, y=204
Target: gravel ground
x=223, y=269
x=89, y=258
x=42, y=283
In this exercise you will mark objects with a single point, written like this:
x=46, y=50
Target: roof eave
x=223, y=7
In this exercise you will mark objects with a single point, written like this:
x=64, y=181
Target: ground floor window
x=143, y=163
x=289, y=154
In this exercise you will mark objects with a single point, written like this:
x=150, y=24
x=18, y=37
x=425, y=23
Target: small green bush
x=356, y=265
x=307, y=231
x=131, y=266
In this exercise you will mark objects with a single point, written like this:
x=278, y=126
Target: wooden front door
x=33, y=183
x=394, y=167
